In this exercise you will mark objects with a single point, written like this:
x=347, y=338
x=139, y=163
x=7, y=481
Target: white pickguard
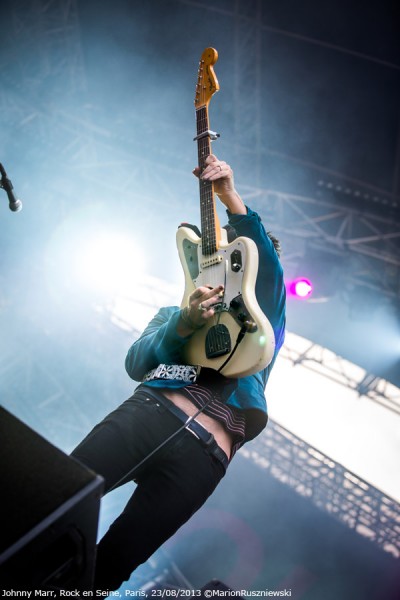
x=256, y=349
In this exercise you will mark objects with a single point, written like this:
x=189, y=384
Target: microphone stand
x=5, y=183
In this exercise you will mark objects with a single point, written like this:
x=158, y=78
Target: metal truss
x=296, y=350
x=247, y=69
x=328, y=485
x=327, y=223
x=63, y=408
x=366, y=245
x=49, y=60
x=50, y=27
x=58, y=397
x=371, y=241
x=313, y=357
x=40, y=398
x=47, y=35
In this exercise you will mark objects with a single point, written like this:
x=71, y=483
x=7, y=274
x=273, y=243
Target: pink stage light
x=300, y=288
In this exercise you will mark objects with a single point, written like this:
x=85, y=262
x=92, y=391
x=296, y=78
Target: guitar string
x=209, y=237
x=209, y=240
x=204, y=148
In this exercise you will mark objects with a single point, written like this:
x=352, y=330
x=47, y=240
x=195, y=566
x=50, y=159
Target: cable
x=128, y=475
x=238, y=340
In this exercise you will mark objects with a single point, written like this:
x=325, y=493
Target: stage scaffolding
x=328, y=485
x=371, y=243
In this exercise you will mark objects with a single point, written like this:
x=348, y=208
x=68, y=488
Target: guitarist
x=176, y=467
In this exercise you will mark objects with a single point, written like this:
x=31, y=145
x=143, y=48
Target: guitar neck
x=210, y=232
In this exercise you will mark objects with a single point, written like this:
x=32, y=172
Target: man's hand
x=199, y=309
x=221, y=174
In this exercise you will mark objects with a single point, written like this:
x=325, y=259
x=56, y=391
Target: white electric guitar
x=239, y=339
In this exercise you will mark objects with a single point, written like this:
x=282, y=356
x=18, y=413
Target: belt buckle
x=198, y=371
x=187, y=423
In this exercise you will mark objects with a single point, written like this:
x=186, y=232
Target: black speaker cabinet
x=49, y=508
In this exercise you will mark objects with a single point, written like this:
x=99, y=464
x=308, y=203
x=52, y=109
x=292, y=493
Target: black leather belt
x=200, y=432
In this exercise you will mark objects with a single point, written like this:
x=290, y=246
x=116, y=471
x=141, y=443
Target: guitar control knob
x=236, y=261
x=235, y=304
x=251, y=326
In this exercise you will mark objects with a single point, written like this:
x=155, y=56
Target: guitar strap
x=231, y=233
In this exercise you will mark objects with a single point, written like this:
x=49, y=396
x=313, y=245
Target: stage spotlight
x=109, y=261
x=300, y=288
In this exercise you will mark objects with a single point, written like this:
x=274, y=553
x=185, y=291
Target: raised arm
x=163, y=339
x=270, y=288
x=221, y=174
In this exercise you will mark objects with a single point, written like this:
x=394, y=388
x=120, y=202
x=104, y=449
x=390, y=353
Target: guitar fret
x=207, y=210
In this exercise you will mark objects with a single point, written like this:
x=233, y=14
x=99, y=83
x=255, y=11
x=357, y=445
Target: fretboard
x=207, y=203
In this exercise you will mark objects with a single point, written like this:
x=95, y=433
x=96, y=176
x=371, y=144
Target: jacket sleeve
x=159, y=343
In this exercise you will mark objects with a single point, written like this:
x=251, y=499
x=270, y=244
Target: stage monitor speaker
x=48, y=513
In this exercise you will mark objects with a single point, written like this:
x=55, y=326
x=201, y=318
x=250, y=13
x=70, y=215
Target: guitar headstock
x=207, y=82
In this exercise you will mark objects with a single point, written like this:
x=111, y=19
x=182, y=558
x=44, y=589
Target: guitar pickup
x=215, y=260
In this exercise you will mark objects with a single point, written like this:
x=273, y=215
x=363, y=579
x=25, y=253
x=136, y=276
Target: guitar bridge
x=218, y=341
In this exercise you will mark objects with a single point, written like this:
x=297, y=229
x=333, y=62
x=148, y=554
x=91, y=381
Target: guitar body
x=209, y=260
x=234, y=265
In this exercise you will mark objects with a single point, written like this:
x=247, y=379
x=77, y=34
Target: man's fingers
x=210, y=298
x=206, y=293
x=218, y=169
x=196, y=172
x=213, y=168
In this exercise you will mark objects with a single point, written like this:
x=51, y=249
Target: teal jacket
x=160, y=343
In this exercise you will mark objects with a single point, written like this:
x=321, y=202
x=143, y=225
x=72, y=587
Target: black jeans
x=172, y=485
